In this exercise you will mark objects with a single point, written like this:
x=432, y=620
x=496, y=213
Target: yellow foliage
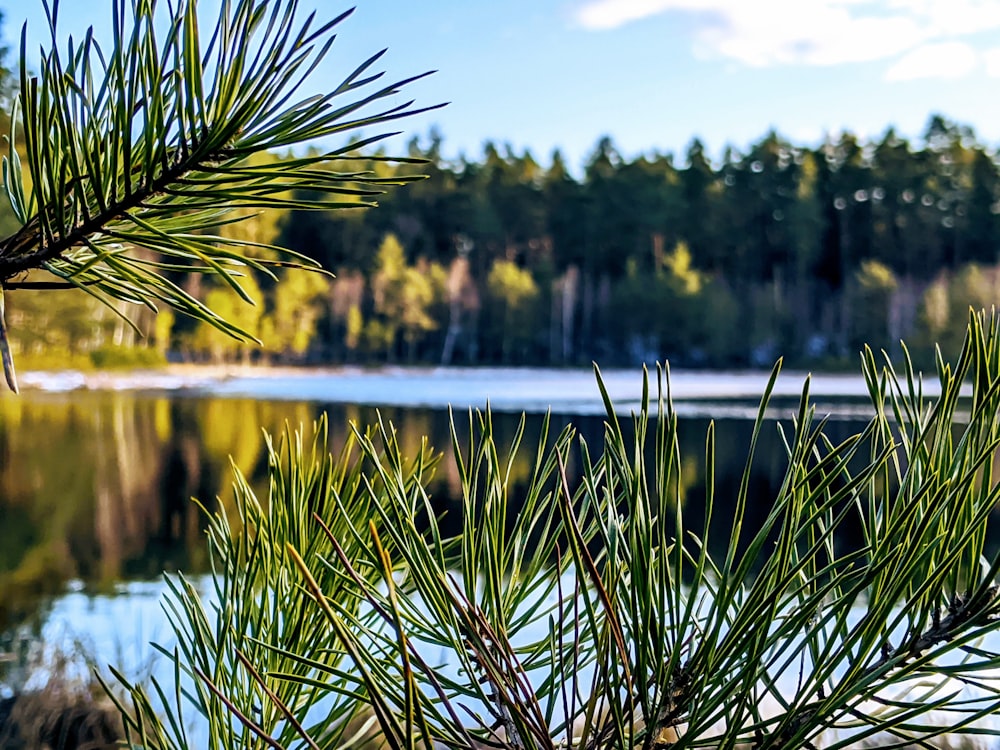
x=162, y=327
x=936, y=307
x=944, y=310
x=875, y=276
x=403, y=295
x=683, y=277
x=297, y=306
x=378, y=336
x=514, y=285
x=355, y=326
x=228, y=305
x=417, y=295
x=809, y=171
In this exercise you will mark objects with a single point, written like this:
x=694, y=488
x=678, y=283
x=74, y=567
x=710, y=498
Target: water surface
x=98, y=473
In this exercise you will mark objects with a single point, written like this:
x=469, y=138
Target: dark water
x=95, y=487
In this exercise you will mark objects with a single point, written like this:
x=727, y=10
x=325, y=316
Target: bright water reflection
x=100, y=617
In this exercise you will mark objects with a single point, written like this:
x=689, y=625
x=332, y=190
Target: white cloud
x=810, y=33
x=937, y=60
x=817, y=32
x=991, y=58
x=951, y=17
x=600, y=15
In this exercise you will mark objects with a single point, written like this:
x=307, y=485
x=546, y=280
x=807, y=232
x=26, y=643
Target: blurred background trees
x=782, y=249
x=805, y=252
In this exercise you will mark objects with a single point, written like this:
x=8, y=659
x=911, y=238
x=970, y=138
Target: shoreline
x=502, y=388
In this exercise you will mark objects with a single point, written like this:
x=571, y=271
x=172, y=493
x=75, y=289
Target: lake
x=98, y=470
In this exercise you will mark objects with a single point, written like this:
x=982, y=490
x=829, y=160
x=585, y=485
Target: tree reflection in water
x=97, y=486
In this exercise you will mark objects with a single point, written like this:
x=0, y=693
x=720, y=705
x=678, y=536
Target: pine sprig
x=148, y=144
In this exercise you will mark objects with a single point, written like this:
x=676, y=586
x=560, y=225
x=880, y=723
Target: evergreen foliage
x=782, y=236
x=149, y=145
x=594, y=615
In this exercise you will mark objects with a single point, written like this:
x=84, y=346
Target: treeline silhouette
x=806, y=252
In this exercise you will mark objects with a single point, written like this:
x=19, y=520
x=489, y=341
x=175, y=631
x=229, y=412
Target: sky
x=651, y=74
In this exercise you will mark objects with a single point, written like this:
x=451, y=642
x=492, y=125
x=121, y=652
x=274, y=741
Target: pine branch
x=152, y=143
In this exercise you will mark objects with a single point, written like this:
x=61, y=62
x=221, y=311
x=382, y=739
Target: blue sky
x=653, y=74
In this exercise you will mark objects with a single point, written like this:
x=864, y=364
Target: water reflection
x=96, y=486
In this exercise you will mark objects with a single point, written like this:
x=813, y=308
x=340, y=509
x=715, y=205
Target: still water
x=96, y=485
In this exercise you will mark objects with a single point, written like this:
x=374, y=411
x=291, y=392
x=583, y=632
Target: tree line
x=778, y=250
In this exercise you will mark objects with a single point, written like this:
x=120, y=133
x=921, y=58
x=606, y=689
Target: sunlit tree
x=871, y=300
x=512, y=292
x=298, y=302
x=402, y=296
x=218, y=345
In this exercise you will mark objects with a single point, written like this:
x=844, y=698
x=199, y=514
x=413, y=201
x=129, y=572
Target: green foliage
x=402, y=296
x=126, y=357
x=591, y=616
x=719, y=333
x=782, y=230
x=594, y=615
x=513, y=294
x=271, y=655
x=676, y=311
x=779, y=237
x=874, y=284
x=946, y=302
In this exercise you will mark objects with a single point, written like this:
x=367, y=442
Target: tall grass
x=591, y=614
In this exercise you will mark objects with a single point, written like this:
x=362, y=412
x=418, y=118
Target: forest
x=778, y=250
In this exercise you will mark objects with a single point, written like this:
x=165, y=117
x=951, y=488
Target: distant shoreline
x=504, y=389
